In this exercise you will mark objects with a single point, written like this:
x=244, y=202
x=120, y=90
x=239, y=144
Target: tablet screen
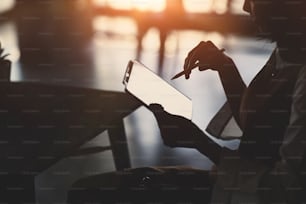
x=150, y=88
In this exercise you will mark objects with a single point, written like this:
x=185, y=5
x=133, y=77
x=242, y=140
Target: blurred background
x=88, y=43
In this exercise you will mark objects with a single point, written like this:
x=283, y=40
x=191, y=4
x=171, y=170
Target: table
x=40, y=124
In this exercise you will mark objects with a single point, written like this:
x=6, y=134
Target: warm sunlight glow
x=154, y=5
x=198, y=6
x=144, y=5
x=190, y=6
x=6, y=5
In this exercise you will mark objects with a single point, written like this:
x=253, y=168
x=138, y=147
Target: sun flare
x=154, y=5
x=190, y=6
x=144, y=5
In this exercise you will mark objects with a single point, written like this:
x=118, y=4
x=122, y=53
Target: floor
x=112, y=45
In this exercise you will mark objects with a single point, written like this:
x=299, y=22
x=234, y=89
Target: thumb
x=156, y=108
x=160, y=114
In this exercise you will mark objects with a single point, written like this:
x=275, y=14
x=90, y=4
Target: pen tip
x=174, y=77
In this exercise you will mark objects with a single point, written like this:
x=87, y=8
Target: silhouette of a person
x=270, y=162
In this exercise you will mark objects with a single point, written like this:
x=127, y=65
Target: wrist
x=209, y=148
x=227, y=64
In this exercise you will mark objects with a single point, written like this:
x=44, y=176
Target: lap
x=156, y=184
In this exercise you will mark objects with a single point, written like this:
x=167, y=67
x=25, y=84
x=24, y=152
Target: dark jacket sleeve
x=285, y=180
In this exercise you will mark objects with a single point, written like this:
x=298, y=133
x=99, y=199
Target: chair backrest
x=223, y=125
x=5, y=67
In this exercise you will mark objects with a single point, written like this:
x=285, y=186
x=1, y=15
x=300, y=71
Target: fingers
x=201, y=56
x=191, y=59
x=165, y=118
x=155, y=107
x=211, y=45
x=201, y=67
x=158, y=111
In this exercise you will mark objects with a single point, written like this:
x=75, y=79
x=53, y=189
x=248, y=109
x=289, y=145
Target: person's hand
x=205, y=56
x=176, y=131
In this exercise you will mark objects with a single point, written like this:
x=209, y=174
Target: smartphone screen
x=150, y=88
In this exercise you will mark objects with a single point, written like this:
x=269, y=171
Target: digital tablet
x=149, y=88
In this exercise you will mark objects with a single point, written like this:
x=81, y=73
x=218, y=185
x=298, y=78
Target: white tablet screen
x=150, y=88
